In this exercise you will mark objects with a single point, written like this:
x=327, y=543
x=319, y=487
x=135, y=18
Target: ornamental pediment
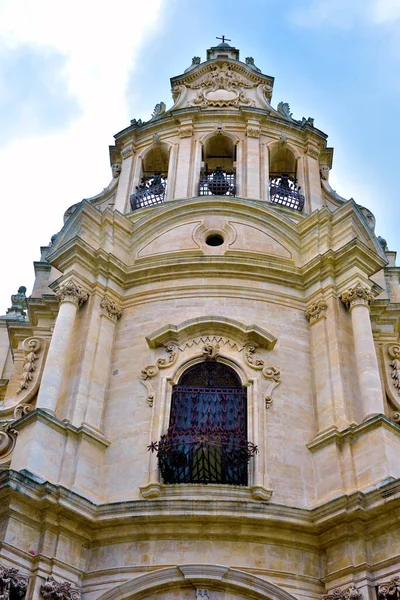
x=222, y=84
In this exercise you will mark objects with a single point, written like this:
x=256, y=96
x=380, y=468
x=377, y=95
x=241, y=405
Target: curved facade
x=201, y=397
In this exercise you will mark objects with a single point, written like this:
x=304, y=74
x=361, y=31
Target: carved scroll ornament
x=272, y=374
x=11, y=582
x=351, y=593
x=391, y=365
x=390, y=590
x=8, y=437
x=35, y=350
x=54, y=590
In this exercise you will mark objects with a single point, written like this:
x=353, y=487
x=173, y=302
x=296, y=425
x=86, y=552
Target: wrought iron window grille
x=283, y=190
x=151, y=191
x=206, y=440
x=217, y=183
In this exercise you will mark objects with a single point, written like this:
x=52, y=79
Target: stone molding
x=55, y=590
x=12, y=582
x=110, y=309
x=71, y=292
x=316, y=311
x=390, y=590
x=350, y=593
x=359, y=294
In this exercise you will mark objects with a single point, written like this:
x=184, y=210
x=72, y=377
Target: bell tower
x=200, y=397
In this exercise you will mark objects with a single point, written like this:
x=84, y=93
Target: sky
x=73, y=74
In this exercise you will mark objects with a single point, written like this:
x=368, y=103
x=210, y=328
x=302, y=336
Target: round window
x=215, y=239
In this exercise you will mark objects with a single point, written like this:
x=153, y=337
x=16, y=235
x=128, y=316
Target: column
x=358, y=299
x=71, y=296
x=253, y=159
x=184, y=159
x=314, y=194
x=110, y=314
x=124, y=185
x=326, y=417
x=195, y=174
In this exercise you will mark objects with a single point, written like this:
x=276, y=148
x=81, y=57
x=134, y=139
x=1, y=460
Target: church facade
x=201, y=396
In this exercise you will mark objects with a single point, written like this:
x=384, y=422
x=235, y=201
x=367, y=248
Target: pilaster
x=125, y=178
x=184, y=159
x=253, y=159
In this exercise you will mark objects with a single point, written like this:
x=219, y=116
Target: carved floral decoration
x=358, y=294
x=12, y=582
x=71, y=292
x=351, y=593
x=390, y=590
x=272, y=374
x=54, y=590
x=315, y=311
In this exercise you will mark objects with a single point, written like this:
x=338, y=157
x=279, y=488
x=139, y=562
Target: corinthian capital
x=11, y=582
x=110, y=309
x=55, y=590
x=71, y=292
x=358, y=294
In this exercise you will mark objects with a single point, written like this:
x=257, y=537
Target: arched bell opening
x=283, y=187
x=218, y=173
x=206, y=441
x=153, y=181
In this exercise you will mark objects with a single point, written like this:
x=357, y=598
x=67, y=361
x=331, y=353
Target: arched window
x=218, y=177
x=283, y=188
x=206, y=440
x=153, y=184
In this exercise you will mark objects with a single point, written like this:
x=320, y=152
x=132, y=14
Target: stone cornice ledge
x=334, y=436
x=42, y=416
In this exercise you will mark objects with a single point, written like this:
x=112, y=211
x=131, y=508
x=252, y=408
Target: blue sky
x=73, y=74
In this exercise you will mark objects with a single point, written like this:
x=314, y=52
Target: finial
x=224, y=39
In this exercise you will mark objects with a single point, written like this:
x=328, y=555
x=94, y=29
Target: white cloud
x=345, y=14
x=44, y=175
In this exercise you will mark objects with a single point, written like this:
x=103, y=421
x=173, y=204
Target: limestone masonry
x=201, y=396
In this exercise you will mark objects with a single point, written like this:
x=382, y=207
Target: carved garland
x=54, y=590
x=12, y=581
x=390, y=590
x=351, y=593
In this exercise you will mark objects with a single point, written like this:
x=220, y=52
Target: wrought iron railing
x=151, y=191
x=285, y=191
x=217, y=183
x=206, y=441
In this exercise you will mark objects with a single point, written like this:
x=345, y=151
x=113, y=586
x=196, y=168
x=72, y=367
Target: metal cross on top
x=224, y=39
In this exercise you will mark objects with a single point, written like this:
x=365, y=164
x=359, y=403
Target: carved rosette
x=351, y=593
x=315, y=311
x=55, y=590
x=71, y=292
x=110, y=309
x=8, y=437
x=357, y=295
x=390, y=590
x=11, y=582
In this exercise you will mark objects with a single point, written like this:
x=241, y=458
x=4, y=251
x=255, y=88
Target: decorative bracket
x=272, y=374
